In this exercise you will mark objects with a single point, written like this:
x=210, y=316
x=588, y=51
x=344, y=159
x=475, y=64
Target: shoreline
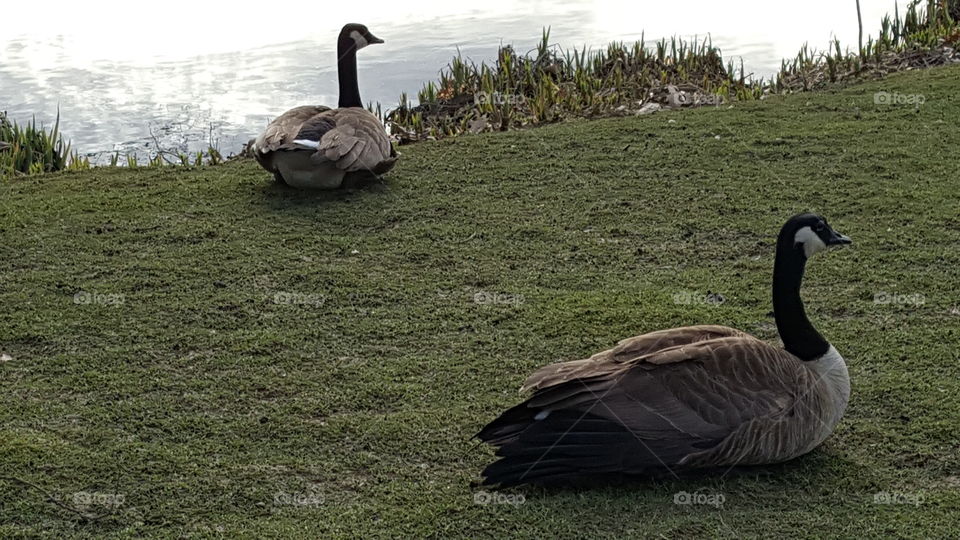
x=550, y=84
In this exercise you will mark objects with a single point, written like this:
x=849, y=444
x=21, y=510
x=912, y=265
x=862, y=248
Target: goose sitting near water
x=320, y=147
x=698, y=397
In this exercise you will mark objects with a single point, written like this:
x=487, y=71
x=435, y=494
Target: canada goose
x=318, y=147
x=688, y=398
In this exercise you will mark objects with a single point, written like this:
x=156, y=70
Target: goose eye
x=818, y=227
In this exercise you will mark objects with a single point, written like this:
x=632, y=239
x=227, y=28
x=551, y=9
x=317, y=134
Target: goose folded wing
x=702, y=389
x=625, y=353
x=357, y=141
x=281, y=133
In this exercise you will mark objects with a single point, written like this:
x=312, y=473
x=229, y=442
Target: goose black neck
x=347, y=72
x=799, y=337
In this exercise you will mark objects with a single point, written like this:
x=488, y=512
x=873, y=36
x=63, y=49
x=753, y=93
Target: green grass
x=186, y=388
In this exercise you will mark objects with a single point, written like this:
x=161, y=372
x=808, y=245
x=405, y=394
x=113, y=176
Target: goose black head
x=810, y=234
x=359, y=35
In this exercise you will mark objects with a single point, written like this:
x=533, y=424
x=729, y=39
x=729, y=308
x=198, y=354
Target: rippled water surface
x=128, y=77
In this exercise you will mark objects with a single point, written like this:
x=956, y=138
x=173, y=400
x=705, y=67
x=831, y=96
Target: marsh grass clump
x=172, y=158
x=927, y=35
x=551, y=84
x=32, y=149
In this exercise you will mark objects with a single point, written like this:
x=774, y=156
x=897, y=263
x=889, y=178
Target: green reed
x=912, y=40
x=33, y=149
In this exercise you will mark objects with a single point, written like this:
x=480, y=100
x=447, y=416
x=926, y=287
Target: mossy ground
x=238, y=347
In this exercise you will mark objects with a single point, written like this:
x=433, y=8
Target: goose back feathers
x=685, y=398
x=318, y=147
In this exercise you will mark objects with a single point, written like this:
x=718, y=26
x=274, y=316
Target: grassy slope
x=199, y=399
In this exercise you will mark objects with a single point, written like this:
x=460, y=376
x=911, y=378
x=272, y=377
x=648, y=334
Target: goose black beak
x=374, y=39
x=837, y=239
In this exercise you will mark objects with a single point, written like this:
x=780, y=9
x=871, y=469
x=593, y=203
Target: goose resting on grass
x=319, y=147
x=698, y=397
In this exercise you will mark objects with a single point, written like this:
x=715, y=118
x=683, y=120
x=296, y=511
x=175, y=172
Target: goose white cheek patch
x=359, y=39
x=811, y=242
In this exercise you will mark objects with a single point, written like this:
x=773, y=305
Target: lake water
x=129, y=76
